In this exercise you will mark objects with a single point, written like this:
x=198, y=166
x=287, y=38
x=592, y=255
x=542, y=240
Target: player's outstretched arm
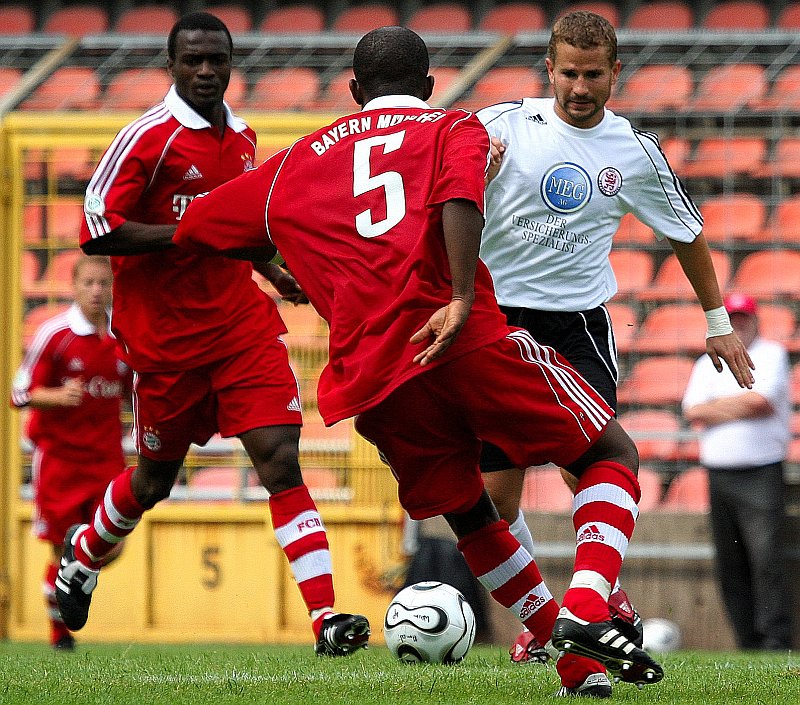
x=462, y=223
x=132, y=238
x=285, y=284
x=721, y=344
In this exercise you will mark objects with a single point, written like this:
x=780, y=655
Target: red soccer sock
x=574, y=669
x=604, y=515
x=57, y=628
x=115, y=518
x=511, y=576
x=301, y=534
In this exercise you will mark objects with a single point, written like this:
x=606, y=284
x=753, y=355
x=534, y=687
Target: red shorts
x=67, y=492
x=521, y=396
x=252, y=389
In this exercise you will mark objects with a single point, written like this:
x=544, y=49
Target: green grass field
x=31, y=674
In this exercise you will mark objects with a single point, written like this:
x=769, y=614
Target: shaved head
x=391, y=61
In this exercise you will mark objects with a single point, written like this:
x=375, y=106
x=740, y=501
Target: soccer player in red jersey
x=202, y=338
x=379, y=218
x=74, y=382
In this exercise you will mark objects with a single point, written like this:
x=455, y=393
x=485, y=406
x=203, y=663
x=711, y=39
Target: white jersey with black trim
x=552, y=211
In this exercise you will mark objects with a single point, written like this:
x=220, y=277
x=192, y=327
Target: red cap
x=740, y=303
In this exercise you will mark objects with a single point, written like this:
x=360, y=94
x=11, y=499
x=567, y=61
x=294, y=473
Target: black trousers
x=747, y=524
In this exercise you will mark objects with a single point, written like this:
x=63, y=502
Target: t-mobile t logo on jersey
x=180, y=203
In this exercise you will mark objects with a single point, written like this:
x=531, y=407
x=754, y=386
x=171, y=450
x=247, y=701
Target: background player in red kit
x=379, y=217
x=74, y=382
x=203, y=340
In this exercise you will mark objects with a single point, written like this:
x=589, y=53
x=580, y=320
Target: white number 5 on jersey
x=391, y=182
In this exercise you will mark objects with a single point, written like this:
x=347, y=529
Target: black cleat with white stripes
x=603, y=642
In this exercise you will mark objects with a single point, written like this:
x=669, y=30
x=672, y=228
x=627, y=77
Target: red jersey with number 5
x=174, y=310
x=355, y=209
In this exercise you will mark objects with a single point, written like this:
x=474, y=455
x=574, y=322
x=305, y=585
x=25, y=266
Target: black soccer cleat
x=603, y=642
x=596, y=685
x=341, y=634
x=626, y=618
x=65, y=643
x=74, y=584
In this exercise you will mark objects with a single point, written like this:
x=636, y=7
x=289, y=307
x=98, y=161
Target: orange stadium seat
x=33, y=229
x=655, y=88
x=146, y=19
x=77, y=163
x=661, y=16
x=444, y=77
x=35, y=317
x=633, y=270
x=514, y=17
x=296, y=19
x=544, y=491
x=64, y=220
x=293, y=88
x=651, y=488
x=786, y=160
x=688, y=492
x=31, y=269
x=717, y=157
x=769, y=274
x=736, y=15
x=17, y=19
x=632, y=231
x=784, y=94
x=236, y=95
x=67, y=88
x=784, y=225
x=441, y=17
x=604, y=9
x=778, y=322
x=364, y=18
x=77, y=21
x=57, y=277
x=671, y=284
x=677, y=151
x=503, y=83
x=220, y=483
x=740, y=217
x=236, y=18
x=659, y=380
x=335, y=97
x=745, y=85
x=9, y=77
x=789, y=17
x=655, y=432
x=625, y=321
x=672, y=328
x=794, y=382
x=136, y=89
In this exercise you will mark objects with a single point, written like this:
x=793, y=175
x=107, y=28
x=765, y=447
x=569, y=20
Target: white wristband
x=719, y=322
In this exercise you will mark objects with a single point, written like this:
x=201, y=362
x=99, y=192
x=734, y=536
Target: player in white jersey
x=566, y=170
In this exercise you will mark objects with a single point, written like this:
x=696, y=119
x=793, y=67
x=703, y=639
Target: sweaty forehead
x=201, y=41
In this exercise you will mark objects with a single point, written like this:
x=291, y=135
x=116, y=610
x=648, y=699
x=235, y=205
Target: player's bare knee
x=615, y=445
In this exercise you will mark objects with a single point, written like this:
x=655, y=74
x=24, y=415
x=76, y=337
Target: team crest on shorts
x=609, y=181
x=151, y=440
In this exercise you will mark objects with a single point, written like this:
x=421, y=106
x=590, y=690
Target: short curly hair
x=583, y=30
x=197, y=20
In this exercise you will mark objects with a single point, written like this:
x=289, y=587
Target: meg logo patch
x=566, y=188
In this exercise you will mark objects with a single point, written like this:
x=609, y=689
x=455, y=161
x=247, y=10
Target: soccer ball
x=429, y=622
x=661, y=635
